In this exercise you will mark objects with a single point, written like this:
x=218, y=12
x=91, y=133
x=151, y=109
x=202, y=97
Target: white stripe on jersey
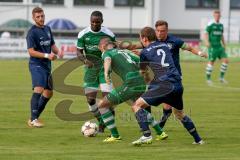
x=84, y=31
x=103, y=29
x=107, y=31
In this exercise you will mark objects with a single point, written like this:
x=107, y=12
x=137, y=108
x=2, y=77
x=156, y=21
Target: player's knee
x=225, y=61
x=38, y=90
x=104, y=103
x=48, y=93
x=101, y=104
x=179, y=114
x=167, y=106
x=210, y=66
x=138, y=105
x=135, y=108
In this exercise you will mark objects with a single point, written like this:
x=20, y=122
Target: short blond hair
x=217, y=11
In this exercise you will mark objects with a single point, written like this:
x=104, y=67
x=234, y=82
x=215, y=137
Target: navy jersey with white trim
x=174, y=44
x=159, y=58
x=40, y=39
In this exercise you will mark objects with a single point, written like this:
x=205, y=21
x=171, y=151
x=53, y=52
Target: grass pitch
x=215, y=110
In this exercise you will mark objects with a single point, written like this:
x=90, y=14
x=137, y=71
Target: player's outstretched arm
x=129, y=45
x=194, y=50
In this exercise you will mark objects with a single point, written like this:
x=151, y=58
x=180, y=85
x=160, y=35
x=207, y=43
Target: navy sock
x=34, y=105
x=166, y=114
x=41, y=104
x=148, y=109
x=141, y=116
x=189, y=125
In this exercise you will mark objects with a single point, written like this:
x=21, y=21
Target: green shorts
x=131, y=89
x=94, y=78
x=216, y=52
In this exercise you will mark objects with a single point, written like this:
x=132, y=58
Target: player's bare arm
x=128, y=45
x=56, y=51
x=223, y=42
x=107, y=66
x=206, y=40
x=37, y=54
x=82, y=58
x=194, y=50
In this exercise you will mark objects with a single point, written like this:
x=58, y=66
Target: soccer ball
x=89, y=129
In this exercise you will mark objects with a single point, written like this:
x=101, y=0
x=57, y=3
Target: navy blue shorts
x=40, y=77
x=164, y=92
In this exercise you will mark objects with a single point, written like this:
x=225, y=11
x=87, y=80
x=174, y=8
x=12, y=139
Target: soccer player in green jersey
x=125, y=65
x=214, y=40
x=90, y=55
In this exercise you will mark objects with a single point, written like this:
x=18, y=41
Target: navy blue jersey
x=174, y=44
x=40, y=39
x=159, y=58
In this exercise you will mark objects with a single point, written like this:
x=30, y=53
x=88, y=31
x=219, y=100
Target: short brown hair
x=149, y=33
x=161, y=23
x=37, y=10
x=217, y=11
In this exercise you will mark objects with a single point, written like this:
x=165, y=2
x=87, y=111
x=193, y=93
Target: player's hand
x=137, y=52
x=205, y=55
x=202, y=54
x=52, y=56
x=88, y=63
x=60, y=54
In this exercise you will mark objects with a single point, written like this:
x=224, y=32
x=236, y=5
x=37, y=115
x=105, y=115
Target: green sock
x=208, y=76
x=154, y=123
x=109, y=121
x=209, y=70
x=223, y=69
x=100, y=121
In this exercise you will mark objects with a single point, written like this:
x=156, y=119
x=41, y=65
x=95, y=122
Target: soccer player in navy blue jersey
x=175, y=44
x=166, y=86
x=42, y=50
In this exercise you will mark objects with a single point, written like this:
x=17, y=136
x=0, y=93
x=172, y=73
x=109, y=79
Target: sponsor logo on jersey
x=49, y=35
x=170, y=46
x=45, y=43
x=87, y=39
x=156, y=46
x=92, y=47
x=217, y=33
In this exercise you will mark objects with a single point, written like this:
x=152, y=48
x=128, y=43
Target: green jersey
x=215, y=33
x=124, y=63
x=88, y=40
